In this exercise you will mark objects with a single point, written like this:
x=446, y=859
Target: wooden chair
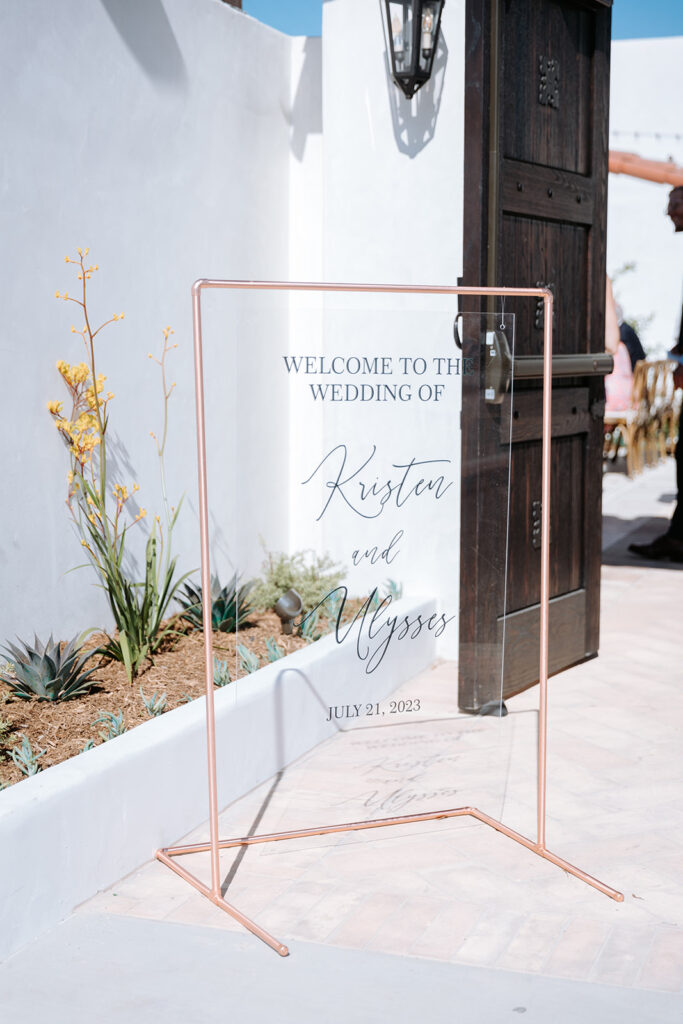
x=666, y=408
x=632, y=426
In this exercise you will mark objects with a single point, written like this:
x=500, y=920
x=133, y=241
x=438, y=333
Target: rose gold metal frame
x=167, y=855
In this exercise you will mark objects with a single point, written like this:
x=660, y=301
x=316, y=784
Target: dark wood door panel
x=547, y=99
x=566, y=521
x=550, y=253
x=546, y=192
x=522, y=632
x=522, y=414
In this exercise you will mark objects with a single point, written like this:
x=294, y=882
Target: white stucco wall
x=393, y=167
x=646, y=83
x=158, y=134
x=392, y=212
x=178, y=139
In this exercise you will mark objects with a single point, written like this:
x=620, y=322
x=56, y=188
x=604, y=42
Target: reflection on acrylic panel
x=339, y=459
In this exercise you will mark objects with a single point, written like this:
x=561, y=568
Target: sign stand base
x=166, y=857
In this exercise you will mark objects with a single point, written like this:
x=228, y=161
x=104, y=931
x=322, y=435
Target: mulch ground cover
x=62, y=728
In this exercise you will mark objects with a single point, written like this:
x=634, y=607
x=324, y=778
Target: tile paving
x=455, y=891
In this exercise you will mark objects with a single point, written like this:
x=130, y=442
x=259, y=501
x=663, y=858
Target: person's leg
x=676, y=527
x=670, y=544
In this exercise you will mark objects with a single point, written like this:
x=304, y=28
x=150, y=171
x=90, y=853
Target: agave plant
x=230, y=605
x=26, y=758
x=48, y=671
x=275, y=652
x=249, y=660
x=221, y=672
x=114, y=724
x=154, y=705
x=309, y=627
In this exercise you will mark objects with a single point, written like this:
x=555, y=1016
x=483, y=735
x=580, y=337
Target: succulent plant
x=114, y=723
x=25, y=758
x=48, y=671
x=154, y=705
x=249, y=661
x=274, y=650
x=230, y=605
x=393, y=589
x=309, y=627
x=221, y=672
x=334, y=604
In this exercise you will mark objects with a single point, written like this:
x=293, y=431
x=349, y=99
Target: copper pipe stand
x=167, y=855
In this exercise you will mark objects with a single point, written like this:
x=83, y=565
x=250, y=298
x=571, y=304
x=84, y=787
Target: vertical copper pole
x=206, y=588
x=545, y=559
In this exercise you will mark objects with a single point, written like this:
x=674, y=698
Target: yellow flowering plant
x=100, y=511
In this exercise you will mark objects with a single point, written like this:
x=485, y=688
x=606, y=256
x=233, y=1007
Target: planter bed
x=62, y=728
x=78, y=826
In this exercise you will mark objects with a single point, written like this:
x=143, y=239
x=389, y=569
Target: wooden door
x=536, y=151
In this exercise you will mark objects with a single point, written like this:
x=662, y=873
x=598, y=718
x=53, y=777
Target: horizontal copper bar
x=323, y=830
x=613, y=894
x=404, y=819
x=223, y=904
x=402, y=289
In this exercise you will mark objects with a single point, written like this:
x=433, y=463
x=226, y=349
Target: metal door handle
x=583, y=364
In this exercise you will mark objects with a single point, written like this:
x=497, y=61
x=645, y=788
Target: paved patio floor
x=380, y=921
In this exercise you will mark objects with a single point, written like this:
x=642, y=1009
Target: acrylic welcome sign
x=330, y=488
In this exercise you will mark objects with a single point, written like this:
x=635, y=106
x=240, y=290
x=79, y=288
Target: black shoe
x=664, y=547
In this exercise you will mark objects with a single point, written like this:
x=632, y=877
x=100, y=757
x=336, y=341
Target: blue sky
x=631, y=19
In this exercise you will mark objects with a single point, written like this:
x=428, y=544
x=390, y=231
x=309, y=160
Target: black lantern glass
x=413, y=31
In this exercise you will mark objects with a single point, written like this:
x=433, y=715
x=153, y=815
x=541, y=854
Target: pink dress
x=619, y=383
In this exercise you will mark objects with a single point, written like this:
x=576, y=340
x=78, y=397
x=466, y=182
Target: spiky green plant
x=139, y=609
x=221, y=672
x=309, y=627
x=114, y=723
x=249, y=661
x=230, y=605
x=154, y=705
x=88, y=745
x=333, y=606
x=48, y=671
x=25, y=758
x=275, y=652
x=393, y=589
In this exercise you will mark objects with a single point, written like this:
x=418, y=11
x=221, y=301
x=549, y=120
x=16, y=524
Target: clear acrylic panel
x=334, y=471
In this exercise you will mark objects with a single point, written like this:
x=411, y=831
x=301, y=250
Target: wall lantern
x=413, y=30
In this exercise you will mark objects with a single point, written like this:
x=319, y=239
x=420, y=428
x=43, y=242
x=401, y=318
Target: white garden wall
x=157, y=134
x=178, y=139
